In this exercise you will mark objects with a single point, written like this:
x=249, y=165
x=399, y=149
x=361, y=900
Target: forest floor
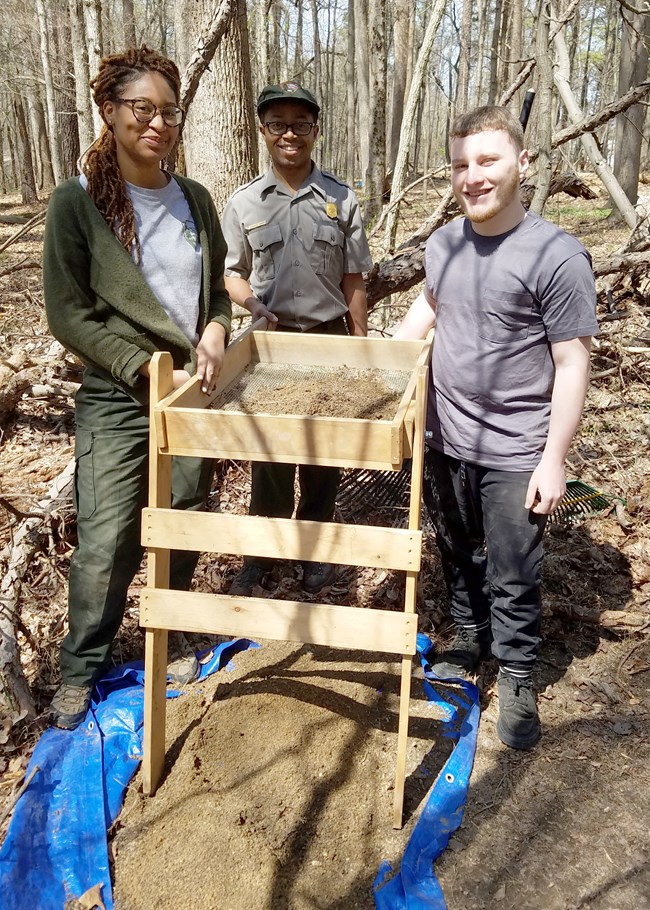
x=277, y=789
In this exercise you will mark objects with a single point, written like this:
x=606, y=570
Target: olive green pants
x=111, y=477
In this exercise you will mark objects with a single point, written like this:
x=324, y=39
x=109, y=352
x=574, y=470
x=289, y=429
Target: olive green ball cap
x=286, y=91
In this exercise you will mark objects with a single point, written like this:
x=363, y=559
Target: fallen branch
x=37, y=219
x=15, y=698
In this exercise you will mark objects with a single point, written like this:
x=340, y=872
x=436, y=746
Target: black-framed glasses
x=144, y=111
x=299, y=128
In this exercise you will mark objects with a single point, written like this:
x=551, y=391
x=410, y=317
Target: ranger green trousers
x=111, y=478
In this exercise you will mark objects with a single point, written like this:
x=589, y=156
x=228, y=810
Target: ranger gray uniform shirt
x=295, y=250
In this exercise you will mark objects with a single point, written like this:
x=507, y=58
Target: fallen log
x=406, y=268
x=16, y=702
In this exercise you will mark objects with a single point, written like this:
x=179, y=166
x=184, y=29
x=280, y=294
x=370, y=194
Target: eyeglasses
x=144, y=111
x=279, y=128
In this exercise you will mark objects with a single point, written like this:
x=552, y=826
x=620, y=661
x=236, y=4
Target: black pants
x=272, y=488
x=491, y=551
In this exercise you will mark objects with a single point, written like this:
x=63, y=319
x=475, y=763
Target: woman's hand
x=258, y=310
x=210, y=352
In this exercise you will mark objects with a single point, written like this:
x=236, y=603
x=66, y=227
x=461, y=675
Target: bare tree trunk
x=494, y=54
x=220, y=136
x=3, y=174
x=298, y=50
x=376, y=172
x=465, y=54
x=363, y=85
x=92, y=17
x=27, y=181
x=46, y=56
x=403, y=11
x=84, y=105
x=633, y=69
x=516, y=46
x=350, y=146
x=45, y=176
x=604, y=172
x=67, y=116
x=480, y=51
x=544, y=109
x=128, y=24
x=408, y=123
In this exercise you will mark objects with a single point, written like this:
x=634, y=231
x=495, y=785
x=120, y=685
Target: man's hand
x=210, y=353
x=257, y=310
x=546, y=488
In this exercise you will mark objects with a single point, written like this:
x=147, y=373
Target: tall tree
x=376, y=173
x=44, y=30
x=83, y=101
x=403, y=12
x=220, y=135
x=633, y=69
x=363, y=85
x=27, y=178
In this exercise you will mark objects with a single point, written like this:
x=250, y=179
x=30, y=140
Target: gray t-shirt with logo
x=500, y=302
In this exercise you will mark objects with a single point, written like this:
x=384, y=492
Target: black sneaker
x=183, y=667
x=70, y=706
x=249, y=577
x=317, y=575
x=518, y=724
x=463, y=655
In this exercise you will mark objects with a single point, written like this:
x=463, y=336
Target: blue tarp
x=56, y=846
x=414, y=886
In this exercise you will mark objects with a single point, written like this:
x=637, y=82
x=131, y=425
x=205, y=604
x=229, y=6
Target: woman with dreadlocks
x=133, y=264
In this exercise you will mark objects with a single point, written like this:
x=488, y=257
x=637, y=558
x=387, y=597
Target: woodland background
x=562, y=827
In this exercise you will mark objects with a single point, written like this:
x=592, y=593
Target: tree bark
x=50, y=101
x=128, y=24
x=83, y=101
x=92, y=17
x=376, y=173
x=220, y=136
x=633, y=69
x=544, y=109
x=350, y=144
x=27, y=179
x=363, y=85
x=464, y=58
x=403, y=10
x=408, y=123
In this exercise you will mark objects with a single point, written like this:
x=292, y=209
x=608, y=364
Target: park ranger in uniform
x=296, y=253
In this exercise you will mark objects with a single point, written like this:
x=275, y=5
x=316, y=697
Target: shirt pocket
x=505, y=317
x=264, y=243
x=327, y=250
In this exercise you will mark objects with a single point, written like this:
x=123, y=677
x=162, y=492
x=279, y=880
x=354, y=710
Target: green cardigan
x=97, y=302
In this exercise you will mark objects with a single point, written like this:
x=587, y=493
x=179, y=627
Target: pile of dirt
x=279, y=389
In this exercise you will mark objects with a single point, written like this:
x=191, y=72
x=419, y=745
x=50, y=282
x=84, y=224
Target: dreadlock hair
x=106, y=186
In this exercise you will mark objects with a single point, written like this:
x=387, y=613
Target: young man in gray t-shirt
x=513, y=301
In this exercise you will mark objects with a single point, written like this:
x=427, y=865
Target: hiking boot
x=70, y=706
x=463, y=655
x=317, y=575
x=184, y=666
x=249, y=576
x=518, y=724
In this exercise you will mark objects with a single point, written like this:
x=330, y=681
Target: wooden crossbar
x=279, y=620
x=313, y=541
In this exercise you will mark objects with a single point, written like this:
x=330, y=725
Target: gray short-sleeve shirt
x=295, y=250
x=500, y=302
